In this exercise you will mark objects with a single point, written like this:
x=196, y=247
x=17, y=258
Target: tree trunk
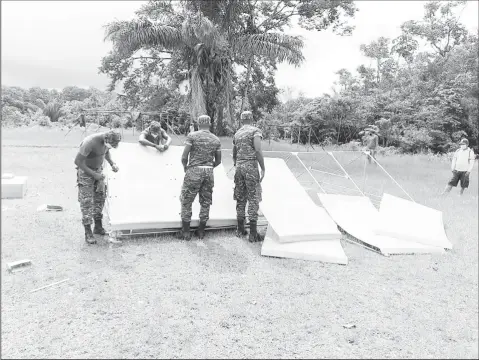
x=245, y=92
x=220, y=129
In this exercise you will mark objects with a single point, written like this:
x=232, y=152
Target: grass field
x=219, y=298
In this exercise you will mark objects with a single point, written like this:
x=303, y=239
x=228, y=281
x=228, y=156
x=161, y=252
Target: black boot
x=98, y=229
x=185, y=231
x=89, y=235
x=240, y=230
x=253, y=234
x=201, y=230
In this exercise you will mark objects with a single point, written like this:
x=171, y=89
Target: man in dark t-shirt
x=155, y=136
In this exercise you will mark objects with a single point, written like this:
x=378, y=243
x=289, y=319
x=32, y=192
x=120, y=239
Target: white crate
x=14, y=188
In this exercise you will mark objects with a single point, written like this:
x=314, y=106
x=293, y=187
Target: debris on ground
x=349, y=326
x=18, y=264
x=47, y=286
x=46, y=207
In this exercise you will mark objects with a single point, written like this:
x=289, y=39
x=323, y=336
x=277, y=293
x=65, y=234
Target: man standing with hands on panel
x=247, y=154
x=94, y=149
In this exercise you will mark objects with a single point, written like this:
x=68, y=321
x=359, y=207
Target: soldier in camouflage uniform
x=246, y=156
x=204, y=151
x=94, y=149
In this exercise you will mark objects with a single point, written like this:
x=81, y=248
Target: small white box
x=14, y=188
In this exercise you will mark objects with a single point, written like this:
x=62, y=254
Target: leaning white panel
x=404, y=219
x=145, y=192
x=357, y=216
x=329, y=251
x=290, y=211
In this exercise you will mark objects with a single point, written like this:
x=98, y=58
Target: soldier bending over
x=90, y=180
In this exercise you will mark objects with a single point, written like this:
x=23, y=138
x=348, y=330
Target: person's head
x=204, y=122
x=113, y=138
x=464, y=143
x=246, y=117
x=155, y=128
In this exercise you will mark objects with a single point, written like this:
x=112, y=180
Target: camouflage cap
x=204, y=120
x=464, y=141
x=246, y=115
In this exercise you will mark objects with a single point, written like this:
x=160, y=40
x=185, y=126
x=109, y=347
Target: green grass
x=158, y=297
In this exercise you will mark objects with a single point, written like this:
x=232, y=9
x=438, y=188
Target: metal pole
x=383, y=169
x=345, y=173
x=309, y=172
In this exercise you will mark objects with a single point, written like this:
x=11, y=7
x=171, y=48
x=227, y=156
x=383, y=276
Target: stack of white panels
x=298, y=228
x=144, y=194
x=13, y=187
x=399, y=227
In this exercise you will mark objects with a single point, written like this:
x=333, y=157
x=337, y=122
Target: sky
x=53, y=44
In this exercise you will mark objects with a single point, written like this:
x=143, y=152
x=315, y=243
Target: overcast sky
x=53, y=44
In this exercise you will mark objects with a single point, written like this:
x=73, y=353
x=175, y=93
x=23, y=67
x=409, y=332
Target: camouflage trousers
x=198, y=180
x=90, y=196
x=247, y=189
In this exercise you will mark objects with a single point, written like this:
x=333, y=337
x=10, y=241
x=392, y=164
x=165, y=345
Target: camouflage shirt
x=204, y=145
x=154, y=139
x=244, y=142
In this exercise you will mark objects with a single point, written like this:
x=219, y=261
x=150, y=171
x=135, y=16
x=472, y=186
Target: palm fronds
x=272, y=45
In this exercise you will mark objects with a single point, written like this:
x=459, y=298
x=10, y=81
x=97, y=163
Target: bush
x=39, y=119
x=54, y=111
x=11, y=116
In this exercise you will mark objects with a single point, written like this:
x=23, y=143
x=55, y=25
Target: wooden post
x=309, y=137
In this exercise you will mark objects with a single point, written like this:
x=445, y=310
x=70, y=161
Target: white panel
x=289, y=209
x=329, y=251
x=407, y=220
x=357, y=216
x=14, y=188
x=145, y=192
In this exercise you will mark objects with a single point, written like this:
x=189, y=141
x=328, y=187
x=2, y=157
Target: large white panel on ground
x=407, y=220
x=329, y=251
x=14, y=187
x=357, y=216
x=145, y=192
x=290, y=211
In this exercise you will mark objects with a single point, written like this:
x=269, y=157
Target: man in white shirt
x=462, y=164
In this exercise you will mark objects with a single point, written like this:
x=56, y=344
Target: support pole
x=383, y=169
x=345, y=173
x=309, y=172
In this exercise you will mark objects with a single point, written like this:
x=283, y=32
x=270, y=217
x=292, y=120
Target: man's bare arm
x=217, y=158
x=259, y=153
x=167, y=138
x=142, y=140
x=80, y=161
x=108, y=158
x=184, y=157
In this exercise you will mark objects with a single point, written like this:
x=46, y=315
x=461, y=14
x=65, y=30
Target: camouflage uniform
x=199, y=176
x=91, y=195
x=247, y=178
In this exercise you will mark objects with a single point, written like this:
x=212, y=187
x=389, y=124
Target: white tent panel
x=329, y=251
x=289, y=209
x=357, y=216
x=145, y=192
x=404, y=219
